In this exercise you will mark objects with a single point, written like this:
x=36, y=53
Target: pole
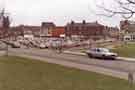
x=131, y=78
x=7, y=50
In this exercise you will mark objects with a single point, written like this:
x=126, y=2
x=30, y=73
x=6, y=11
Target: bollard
x=130, y=78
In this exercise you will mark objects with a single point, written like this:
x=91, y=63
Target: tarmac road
x=117, y=65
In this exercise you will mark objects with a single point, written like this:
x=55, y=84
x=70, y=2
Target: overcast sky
x=33, y=12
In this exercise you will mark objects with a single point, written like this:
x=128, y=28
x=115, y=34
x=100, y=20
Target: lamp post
x=61, y=43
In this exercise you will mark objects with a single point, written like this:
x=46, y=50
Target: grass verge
x=127, y=50
x=26, y=74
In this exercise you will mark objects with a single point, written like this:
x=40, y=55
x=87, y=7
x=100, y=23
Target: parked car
x=15, y=45
x=42, y=46
x=101, y=53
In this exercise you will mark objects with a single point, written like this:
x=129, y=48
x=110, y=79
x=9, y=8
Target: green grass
x=25, y=74
x=126, y=50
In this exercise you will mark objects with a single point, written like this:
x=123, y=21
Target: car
x=101, y=53
x=15, y=45
x=42, y=46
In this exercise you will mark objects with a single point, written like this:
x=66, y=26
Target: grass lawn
x=126, y=50
x=25, y=74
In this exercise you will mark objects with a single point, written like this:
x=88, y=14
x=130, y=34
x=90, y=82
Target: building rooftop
x=85, y=23
x=48, y=24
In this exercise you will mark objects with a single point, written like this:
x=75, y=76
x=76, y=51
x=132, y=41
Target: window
x=98, y=50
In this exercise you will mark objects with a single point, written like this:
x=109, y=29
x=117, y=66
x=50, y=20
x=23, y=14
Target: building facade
x=24, y=30
x=59, y=31
x=47, y=28
x=113, y=32
x=34, y=30
x=128, y=30
x=85, y=30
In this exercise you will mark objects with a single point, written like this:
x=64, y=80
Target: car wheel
x=113, y=58
x=103, y=57
x=90, y=55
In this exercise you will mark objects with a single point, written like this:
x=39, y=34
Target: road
x=120, y=67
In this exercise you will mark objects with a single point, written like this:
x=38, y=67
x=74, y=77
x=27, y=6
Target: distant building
x=128, y=30
x=113, y=32
x=24, y=30
x=47, y=28
x=85, y=30
x=34, y=30
x=14, y=32
x=58, y=31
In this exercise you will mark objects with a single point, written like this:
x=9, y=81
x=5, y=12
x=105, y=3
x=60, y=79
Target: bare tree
x=126, y=8
x=5, y=25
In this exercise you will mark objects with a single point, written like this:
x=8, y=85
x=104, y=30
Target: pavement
x=84, y=54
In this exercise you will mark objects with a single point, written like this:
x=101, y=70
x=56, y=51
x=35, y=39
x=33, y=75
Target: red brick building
x=87, y=30
x=58, y=31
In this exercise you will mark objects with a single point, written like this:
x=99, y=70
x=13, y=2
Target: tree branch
x=124, y=10
x=131, y=1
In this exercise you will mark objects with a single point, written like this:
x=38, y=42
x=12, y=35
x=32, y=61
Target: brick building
x=34, y=30
x=47, y=28
x=58, y=31
x=128, y=30
x=86, y=30
x=23, y=30
x=112, y=32
x=15, y=31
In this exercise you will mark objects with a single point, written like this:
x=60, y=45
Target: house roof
x=86, y=24
x=48, y=24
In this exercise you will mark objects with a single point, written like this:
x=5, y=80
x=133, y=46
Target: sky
x=33, y=12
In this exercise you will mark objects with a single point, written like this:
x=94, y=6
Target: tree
x=125, y=8
x=5, y=26
x=6, y=22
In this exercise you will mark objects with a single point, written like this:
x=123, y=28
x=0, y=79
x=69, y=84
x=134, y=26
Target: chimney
x=96, y=22
x=72, y=22
x=84, y=22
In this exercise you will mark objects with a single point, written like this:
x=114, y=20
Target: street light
x=62, y=36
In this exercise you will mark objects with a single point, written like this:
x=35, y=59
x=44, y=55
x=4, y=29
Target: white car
x=101, y=53
x=16, y=44
x=42, y=46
